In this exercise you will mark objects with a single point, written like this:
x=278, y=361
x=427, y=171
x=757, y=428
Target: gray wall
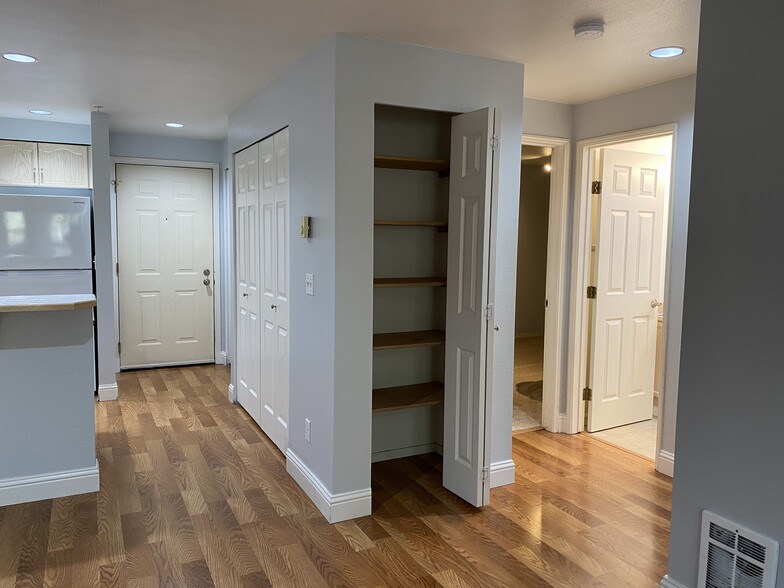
x=549, y=119
x=731, y=401
x=303, y=99
x=670, y=102
x=532, y=249
x=22, y=129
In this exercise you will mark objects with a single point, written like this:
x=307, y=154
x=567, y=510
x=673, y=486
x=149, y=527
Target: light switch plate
x=309, y=284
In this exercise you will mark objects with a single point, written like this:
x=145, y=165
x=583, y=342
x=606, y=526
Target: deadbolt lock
x=206, y=272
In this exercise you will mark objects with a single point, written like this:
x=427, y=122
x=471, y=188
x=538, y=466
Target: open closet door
x=470, y=205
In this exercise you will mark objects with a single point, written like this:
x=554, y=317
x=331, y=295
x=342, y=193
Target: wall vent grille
x=732, y=556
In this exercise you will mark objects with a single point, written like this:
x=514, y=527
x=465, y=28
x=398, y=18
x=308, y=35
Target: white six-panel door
x=248, y=363
x=628, y=283
x=274, y=160
x=164, y=232
x=262, y=196
x=470, y=205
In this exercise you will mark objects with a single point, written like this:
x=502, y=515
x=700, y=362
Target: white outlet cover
x=309, y=284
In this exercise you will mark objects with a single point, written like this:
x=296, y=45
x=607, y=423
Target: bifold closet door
x=274, y=196
x=467, y=317
x=246, y=170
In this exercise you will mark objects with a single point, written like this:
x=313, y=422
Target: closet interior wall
x=410, y=259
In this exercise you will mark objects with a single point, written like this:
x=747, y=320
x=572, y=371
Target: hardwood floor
x=193, y=494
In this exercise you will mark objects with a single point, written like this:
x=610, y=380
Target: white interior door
x=628, y=283
x=248, y=365
x=274, y=196
x=165, y=253
x=470, y=204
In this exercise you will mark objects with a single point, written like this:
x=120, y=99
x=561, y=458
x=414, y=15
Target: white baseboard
x=404, y=452
x=334, y=507
x=57, y=485
x=668, y=582
x=108, y=392
x=232, y=394
x=502, y=473
x=224, y=358
x=666, y=463
x=561, y=425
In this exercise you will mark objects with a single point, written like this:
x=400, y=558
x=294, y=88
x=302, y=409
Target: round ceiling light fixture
x=588, y=31
x=174, y=125
x=548, y=168
x=19, y=58
x=666, y=52
x=40, y=112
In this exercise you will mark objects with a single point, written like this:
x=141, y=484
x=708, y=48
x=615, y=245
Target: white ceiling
x=150, y=61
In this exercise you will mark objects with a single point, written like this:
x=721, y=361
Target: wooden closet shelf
x=408, y=339
x=427, y=394
x=412, y=163
x=410, y=223
x=433, y=282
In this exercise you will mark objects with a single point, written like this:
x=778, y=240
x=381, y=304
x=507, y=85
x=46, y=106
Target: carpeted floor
x=529, y=357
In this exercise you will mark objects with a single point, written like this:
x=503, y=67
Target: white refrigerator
x=45, y=245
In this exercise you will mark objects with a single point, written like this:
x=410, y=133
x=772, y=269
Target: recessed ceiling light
x=19, y=58
x=40, y=112
x=666, y=52
x=174, y=125
x=588, y=31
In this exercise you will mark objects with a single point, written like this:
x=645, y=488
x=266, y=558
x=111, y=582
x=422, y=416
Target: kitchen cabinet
x=24, y=163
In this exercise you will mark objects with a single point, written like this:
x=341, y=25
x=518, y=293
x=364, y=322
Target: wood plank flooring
x=193, y=494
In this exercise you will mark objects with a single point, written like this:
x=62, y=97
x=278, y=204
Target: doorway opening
x=535, y=169
x=625, y=260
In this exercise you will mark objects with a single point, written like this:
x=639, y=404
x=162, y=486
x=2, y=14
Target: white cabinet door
x=628, y=284
x=274, y=197
x=246, y=170
x=64, y=166
x=470, y=205
x=18, y=163
x=165, y=251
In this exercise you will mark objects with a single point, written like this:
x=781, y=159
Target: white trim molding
x=502, y=473
x=665, y=463
x=108, y=392
x=46, y=486
x=668, y=582
x=232, y=394
x=334, y=507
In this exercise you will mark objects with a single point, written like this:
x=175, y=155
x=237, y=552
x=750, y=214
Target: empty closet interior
x=411, y=208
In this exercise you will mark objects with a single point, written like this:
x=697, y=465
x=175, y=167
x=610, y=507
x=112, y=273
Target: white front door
x=470, y=205
x=246, y=170
x=274, y=197
x=631, y=211
x=165, y=254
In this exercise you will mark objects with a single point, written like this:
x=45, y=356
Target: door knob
x=206, y=282
x=273, y=307
x=206, y=272
x=244, y=294
x=655, y=303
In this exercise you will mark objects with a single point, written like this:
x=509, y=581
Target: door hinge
x=596, y=187
x=485, y=474
x=117, y=267
x=587, y=394
x=489, y=312
x=119, y=348
x=495, y=143
x=590, y=292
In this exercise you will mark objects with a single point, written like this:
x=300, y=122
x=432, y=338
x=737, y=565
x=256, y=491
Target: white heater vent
x=732, y=556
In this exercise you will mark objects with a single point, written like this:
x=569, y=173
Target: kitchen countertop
x=46, y=303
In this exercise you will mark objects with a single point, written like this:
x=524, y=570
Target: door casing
x=218, y=244
x=581, y=250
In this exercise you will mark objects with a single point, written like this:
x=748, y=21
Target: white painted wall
x=549, y=119
x=731, y=401
x=372, y=71
x=303, y=99
x=670, y=102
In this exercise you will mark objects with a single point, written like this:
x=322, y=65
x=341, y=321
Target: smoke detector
x=588, y=31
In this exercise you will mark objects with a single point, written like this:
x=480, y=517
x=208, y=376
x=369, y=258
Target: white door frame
x=217, y=245
x=555, y=289
x=581, y=252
